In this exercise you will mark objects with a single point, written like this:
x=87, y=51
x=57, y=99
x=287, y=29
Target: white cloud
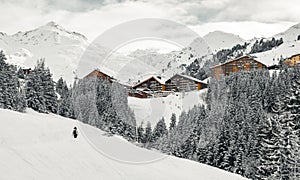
x=245, y=29
x=91, y=17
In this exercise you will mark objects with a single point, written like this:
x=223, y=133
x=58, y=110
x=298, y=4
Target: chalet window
x=254, y=65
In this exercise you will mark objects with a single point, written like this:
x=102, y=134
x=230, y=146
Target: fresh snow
x=153, y=109
x=218, y=40
x=61, y=49
x=41, y=146
x=273, y=56
x=291, y=34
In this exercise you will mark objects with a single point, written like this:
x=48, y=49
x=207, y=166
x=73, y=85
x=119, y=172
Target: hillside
x=60, y=48
x=169, y=64
x=154, y=109
x=40, y=146
x=218, y=40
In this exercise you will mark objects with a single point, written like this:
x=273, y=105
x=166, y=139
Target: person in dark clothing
x=75, y=133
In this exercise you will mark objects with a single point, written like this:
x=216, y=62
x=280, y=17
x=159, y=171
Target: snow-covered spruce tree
x=148, y=135
x=40, y=89
x=228, y=135
x=101, y=104
x=190, y=147
x=166, y=143
x=279, y=142
x=140, y=133
x=173, y=122
x=84, y=101
x=159, y=130
x=11, y=96
x=126, y=115
x=269, y=153
x=34, y=92
x=60, y=86
x=65, y=100
x=290, y=129
x=48, y=87
x=181, y=132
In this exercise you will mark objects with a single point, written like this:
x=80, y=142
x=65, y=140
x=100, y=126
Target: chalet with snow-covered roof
x=180, y=82
x=293, y=60
x=153, y=83
x=100, y=74
x=244, y=63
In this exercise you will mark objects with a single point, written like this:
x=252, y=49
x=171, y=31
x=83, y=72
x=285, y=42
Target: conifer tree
x=173, y=122
x=11, y=95
x=148, y=134
x=39, y=91
x=159, y=130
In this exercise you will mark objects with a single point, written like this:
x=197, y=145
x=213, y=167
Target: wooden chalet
x=180, y=82
x=100, y=74
x=153, y=83
x=293, y=60
x=244, y=63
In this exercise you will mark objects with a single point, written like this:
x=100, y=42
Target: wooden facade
x=293, y=60
x=244, y=63
x=99, y=74
x=139, y=94
x=26, y=71
x=153, y=84
x=181, y=82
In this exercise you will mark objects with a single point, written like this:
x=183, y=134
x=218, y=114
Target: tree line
x=91, y=100
x=250, y=126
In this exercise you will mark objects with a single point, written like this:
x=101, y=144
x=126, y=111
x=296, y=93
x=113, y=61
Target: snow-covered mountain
x=43, y=148
x=168, y=64
x=60, y=48
x=218, y=40
x=63, y=49
x=291, y=34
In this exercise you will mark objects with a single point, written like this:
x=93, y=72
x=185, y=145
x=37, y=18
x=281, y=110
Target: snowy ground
x=40, y=146
x=154, y=109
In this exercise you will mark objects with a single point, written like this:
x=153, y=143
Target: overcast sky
x=247, y=18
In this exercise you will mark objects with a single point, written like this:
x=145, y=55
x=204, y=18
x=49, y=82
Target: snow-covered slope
x=273, y=56
x=289, y=47
x=291, y=34
x=40, y=146
x=155, y=108
x=218, y=40
x=60, y=48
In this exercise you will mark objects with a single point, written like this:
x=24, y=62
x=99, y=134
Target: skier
x=75, y=133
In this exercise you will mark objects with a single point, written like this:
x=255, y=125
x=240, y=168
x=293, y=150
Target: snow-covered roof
x=294, y=55
x=249, y=56
x=160, y=81
x=207, y=80
x=191, y=78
